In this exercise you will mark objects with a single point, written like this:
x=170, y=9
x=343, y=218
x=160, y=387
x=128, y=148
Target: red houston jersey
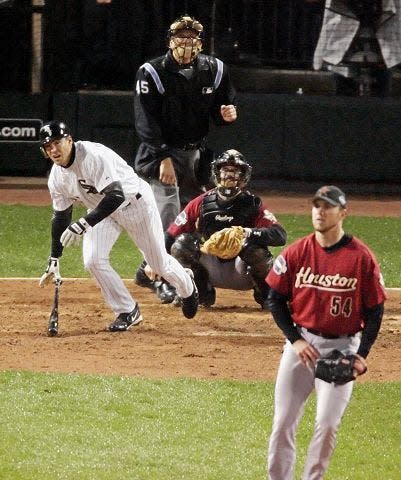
x=328, y=290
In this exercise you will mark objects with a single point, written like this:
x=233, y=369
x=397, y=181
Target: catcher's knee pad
x=186, y=249
x=258, y=259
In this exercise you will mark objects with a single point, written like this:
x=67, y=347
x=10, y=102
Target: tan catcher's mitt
x=225, y=244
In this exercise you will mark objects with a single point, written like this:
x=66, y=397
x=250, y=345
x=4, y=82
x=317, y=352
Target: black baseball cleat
x=261, y=298
x=165, y=292
x=207, y=298
x=125, y=321
x=189, y=305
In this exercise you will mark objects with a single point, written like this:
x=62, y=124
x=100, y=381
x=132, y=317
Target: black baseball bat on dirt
x=52, y=327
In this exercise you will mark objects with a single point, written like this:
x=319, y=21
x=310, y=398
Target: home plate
x=227, y=333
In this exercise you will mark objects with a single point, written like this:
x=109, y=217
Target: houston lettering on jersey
x=305, y=278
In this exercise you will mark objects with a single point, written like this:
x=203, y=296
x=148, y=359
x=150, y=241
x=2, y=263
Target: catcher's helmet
x=236, y=159
x=52, y=131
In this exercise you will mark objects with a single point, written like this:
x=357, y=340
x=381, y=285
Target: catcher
x=327, y=296
x=223, y=235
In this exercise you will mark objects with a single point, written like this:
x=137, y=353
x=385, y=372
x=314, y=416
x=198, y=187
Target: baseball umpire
x=116, y=199
x=223, y=235
x=176, y=95
x=327, y=296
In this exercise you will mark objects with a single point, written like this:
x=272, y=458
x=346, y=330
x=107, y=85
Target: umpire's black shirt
x=180, y=115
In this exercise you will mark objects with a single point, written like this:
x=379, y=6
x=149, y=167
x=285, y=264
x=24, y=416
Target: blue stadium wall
x=288, y=139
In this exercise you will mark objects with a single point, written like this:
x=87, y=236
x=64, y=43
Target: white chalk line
x=228, y=333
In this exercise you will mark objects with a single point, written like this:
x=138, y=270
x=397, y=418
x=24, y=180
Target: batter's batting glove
x=72, y=235
x=52, y=271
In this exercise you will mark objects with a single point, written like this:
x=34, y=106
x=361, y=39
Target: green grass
x=91, y=427
x=25, y=243
x=84, y=427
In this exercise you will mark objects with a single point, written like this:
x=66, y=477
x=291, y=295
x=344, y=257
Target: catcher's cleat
x=260, y=298
x=208, y=298
x=143, y=280
x=166, y=293
x=125, y=321
x=189, y=305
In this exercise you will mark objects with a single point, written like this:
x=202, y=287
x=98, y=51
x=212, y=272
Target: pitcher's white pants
x=295, y=382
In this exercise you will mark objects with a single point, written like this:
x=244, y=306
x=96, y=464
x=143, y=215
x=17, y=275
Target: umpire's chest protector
x=187, y=99
x=216, y=214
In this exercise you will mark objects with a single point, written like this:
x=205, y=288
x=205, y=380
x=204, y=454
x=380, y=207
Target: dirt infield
x=234, y=339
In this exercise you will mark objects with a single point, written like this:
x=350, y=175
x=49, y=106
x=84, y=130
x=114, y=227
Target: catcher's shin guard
x=259, y=261
x=186, y=249
x=207, y=293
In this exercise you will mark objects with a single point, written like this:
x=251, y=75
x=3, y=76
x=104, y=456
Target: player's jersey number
x=142, y=86
x=341, y=306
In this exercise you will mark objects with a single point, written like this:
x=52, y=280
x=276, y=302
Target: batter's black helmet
x=233, y=158
x=52, y=131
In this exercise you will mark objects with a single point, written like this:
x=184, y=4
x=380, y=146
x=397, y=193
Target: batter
x=326, y=293
x=116, y=199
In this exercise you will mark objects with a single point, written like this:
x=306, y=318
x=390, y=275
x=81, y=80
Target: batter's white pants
x=295, y=382
x=142, y=222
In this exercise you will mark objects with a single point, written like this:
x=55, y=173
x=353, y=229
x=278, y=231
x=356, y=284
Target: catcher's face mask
x=231, y=173
x=185, y=39
x=230, y=176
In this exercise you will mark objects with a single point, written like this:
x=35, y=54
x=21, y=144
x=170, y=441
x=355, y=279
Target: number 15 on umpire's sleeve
x=141, y=87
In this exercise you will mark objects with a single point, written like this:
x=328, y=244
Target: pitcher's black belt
x=327, y=335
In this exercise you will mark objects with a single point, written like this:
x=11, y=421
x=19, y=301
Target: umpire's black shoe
x=143, y=280
x=189, y=305
x=124, y=321
x=166, y=293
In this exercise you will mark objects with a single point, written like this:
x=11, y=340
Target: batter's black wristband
x=60, y=221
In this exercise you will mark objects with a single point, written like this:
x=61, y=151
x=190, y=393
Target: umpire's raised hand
x=228, y=113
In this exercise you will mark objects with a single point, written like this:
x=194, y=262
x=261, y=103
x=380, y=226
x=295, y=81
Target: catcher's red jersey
x=328, y=290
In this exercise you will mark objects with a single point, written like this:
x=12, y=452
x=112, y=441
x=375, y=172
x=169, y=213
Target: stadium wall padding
x=23, y=158
x=293, y=137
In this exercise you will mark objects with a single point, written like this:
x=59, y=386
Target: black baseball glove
x=336, y=367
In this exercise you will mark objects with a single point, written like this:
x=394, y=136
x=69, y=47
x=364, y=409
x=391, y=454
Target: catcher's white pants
x=232, y=275
x=142, y=222
x=294, y=383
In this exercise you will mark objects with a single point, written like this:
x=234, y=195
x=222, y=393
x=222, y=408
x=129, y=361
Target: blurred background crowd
x=99, y=44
